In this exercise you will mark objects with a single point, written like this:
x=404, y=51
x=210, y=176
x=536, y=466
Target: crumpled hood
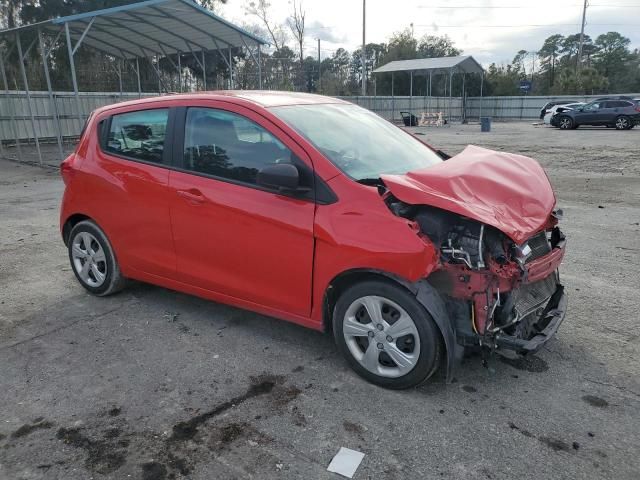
x=509, y=192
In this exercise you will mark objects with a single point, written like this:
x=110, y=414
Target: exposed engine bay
x=508, y=293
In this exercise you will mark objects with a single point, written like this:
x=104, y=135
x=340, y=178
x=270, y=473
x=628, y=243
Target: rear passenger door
x=618, y=107
x=127, y=188
x=607, y=113
x=232, y=236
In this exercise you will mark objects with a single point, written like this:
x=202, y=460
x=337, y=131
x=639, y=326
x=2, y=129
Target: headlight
x=522, y=253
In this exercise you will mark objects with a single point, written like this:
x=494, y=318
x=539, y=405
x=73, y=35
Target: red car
x=317, y=211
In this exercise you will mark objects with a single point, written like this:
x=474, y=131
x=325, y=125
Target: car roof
x=262, y=98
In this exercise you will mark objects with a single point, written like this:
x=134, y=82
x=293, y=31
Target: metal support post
x=450, y=87
x=259, y=67
x=52, y=100
x=14, y=123
x=481, y=85
x=464, y=99
x=410, y=96
x=430, y=93
x=138, y=78
x=393, y=101
x=231, y=85
x=120, y=76
x=72, y=65
x=179, y=73
x=29, y=102
x=204, y=72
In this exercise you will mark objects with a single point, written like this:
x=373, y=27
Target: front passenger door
x=589, y=114
x=232, y=236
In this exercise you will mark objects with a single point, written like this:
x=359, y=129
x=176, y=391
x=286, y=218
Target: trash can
x=485, y=124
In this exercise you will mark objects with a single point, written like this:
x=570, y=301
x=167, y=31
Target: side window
x=228, y=145
x=139, y=135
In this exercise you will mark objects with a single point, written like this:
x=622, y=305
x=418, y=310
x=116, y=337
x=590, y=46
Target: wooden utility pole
x=364, y=65
x=584, y=17
x=319, y=70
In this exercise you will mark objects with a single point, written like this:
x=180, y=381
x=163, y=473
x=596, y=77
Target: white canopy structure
x=147, y=29
x=434, y=66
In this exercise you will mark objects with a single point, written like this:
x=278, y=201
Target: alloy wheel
x=381, y=336
x=565, y=123
x=622, y=123
x=89, y=259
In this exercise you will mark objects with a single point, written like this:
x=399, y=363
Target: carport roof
x=463, y=64
x=151, y=27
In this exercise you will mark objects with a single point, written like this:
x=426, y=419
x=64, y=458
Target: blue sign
x=525, y=85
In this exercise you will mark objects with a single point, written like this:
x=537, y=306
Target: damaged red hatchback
x=319, y=212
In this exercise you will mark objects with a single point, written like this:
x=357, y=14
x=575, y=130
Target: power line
x=491, y=7
x=435, y=25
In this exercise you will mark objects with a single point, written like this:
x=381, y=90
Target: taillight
x=637, y=108
x=66, y=168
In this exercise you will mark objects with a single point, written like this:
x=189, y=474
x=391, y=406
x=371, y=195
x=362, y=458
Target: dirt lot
x=153, y=384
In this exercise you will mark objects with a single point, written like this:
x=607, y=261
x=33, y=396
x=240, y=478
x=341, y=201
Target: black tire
x=623, y=123
x=566, y=123
x=113, y=280
x=430, y=340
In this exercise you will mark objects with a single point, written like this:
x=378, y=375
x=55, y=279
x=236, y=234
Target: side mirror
x=280, y=176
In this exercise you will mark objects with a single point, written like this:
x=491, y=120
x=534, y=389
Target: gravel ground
x=153, y=384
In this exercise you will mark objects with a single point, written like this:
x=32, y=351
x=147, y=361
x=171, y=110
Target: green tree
x=613, y=52
x=431, y=46
x=571, y=47
x=549, y=54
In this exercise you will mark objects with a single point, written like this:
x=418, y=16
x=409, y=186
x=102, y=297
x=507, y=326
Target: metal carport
x=434, y=66
x=148, y=29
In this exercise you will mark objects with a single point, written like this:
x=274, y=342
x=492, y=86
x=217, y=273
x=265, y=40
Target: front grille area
x=530, y=296
x=539, y=245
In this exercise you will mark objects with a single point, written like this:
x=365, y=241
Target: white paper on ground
x=346, y=462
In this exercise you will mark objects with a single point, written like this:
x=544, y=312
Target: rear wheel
x=386, y=335
x=565, y=123
x=623, y=123
x=93, y=260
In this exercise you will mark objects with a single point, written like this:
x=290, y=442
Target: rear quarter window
x=138, y=135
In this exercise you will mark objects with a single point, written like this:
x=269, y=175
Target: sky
x=490, y=30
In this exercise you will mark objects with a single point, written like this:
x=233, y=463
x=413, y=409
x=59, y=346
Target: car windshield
x=359, y=142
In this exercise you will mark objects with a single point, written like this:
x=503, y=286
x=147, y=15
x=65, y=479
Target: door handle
x=193, y=195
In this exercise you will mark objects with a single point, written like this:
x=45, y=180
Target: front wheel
x=93, y=260
x=565, y=123
x=386, y=335
x=623, y=123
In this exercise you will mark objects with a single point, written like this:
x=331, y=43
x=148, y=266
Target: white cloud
x=339, y=22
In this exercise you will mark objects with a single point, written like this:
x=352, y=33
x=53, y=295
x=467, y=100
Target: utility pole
x=364, y=66
x=319, y=70
x=584, y=17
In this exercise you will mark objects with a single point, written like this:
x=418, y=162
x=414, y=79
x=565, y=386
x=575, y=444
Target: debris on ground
x=346, y=462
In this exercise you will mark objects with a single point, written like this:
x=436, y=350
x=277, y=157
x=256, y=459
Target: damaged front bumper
x=546, y=326
x=509, y=310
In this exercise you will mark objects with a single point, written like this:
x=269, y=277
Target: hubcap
x=381, y=336
x=621, y=123
x=89, y=259
x=564, y=123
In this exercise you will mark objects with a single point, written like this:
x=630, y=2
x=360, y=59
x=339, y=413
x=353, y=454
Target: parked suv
x=317, y=211
x=621, y=114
